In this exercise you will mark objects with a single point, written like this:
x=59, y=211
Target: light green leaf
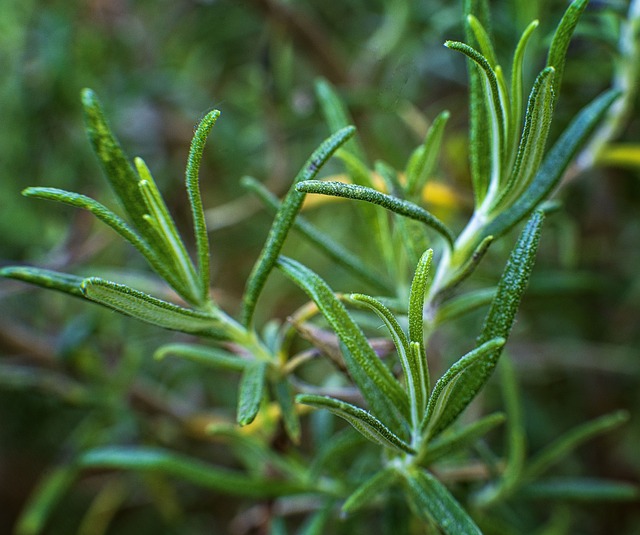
x=118, y=170
x=161, y=223
x=53, y=280
x=457, y=384
x=534, y=137
x=554, y=165
x=166, y=271
x=496, y=113
x=367, y=491
x=465, y=271
x=190, y=469
x=432, y=502
x=284, y=221
x=462, y=304
x=562, y=37
x=390, y=178
x=336, y=114
x=213, y=357
x=251, y=392
x=48, y=492
x=364, y=422
x=571, y=440
x=362, y=193
x=150, y=309
x=320, y=240
x=483, y=39
x=450, y=442
x=195, y=199
x=516, y=87
x=581, y=489
x=423, y=160
x=379, y=387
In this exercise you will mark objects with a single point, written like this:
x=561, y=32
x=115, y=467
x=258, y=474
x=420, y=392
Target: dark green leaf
x=581, y=489
x=553, y=166
x=378, y=386
x=53, y=280
x=195, y=198
x=150, y=309
x=251, y=392
x=193, y=470
x=283, y=393
x=367, y=491
x=284, y=221
x=364, y=422
x=207, y=356
x=362, y=193
x=432, y=502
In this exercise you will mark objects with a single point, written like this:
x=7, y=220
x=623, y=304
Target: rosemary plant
x=408, y=423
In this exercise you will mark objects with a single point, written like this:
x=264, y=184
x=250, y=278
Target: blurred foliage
x=74, y=376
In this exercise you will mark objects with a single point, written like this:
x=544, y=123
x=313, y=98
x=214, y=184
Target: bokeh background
x=158, y=67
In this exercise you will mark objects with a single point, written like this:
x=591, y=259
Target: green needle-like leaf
x=251, y=392
x=364, y=422
x=119, y=172
x=571, y=440
x=467, y=268
x=53, y=280
x=483, y=39
x=450, y=442
x=320, y=240
x=192, y=470
x=457, y=384
x=562, y=37
x=367, y=491
x=581, y=489
x=534, y=136
x=150, y=309
x=379, y=387
x=44, y=498
x=462, y=304
x=284, y=395
x=423, y=160
x=195, y=199
x=393, y=204
x=161, y=266
x=213, y=357
x=554, y=165
x=432, y=502
x=336, y=114
x=284, y=221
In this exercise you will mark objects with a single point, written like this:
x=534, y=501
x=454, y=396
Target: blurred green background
x=158, y=67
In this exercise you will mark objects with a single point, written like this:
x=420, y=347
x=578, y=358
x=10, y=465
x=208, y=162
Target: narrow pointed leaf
x=457, y=383
x=467, y=268
x=251, y=392
x=378, y=386
x=53, y=280
x=561, y=447
x=149, y=309
x=203, y=474
x=195, y=198
x=284, y=221
x=483, y=39
x=393, y=204
x=409, y=365
x=534, y=136
x=516, y=435
x=434, y=503
x=423, y=160
x=581, y=489
x=449, y=443
x=117, y=168
x=554, y=165
x=284, y=395
x=336, y=114
x=44, y=498
x=164, y=269
x=367, y=491
x=364, y=422
x=562, y=37
x=320, y=240
x=213, y=357
x=462, y=304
